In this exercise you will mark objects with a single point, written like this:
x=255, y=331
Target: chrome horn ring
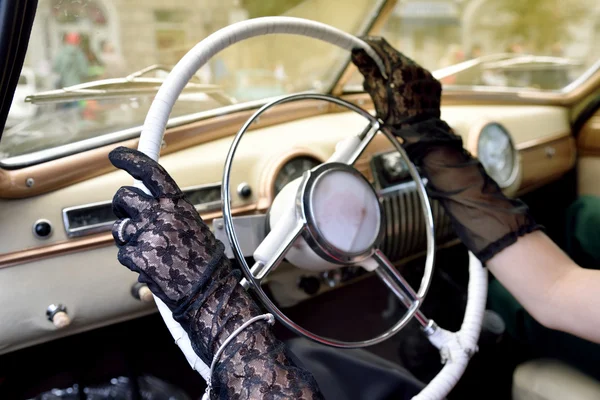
x=413, y=300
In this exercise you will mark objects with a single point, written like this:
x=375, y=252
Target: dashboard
x=59, y=251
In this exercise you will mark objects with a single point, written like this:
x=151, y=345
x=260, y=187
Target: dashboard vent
x=405, y=224
x=98, y=217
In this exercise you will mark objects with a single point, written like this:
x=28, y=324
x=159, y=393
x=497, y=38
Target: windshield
x=499, y=44
x=80, y=44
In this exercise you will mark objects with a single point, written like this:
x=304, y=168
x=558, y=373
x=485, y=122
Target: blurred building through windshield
x=120, y=36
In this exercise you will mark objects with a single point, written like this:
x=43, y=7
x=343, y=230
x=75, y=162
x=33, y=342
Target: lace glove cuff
x=484, y=219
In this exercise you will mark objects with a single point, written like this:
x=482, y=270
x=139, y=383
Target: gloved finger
x=142, y=167
x=130, y=201
x=392, y=58
x=384, y=50
x=128, y=258
x=123, y=230
x=365, y=64
x=156, y=289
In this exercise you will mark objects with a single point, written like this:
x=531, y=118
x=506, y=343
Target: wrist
x=218, y=307
x=205, y=276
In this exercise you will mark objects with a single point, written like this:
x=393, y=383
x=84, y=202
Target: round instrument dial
x=293, y=169
x=497, y=153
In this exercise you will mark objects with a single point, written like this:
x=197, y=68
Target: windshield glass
x=518, y=44
x=81, y=44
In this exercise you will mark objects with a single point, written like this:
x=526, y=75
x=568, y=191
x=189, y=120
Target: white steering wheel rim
x=456, y=347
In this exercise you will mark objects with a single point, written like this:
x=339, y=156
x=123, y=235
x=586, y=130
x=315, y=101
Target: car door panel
x=588, y=165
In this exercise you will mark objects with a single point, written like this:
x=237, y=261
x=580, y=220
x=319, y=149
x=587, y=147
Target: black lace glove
x=163, y=238
x=408, y=102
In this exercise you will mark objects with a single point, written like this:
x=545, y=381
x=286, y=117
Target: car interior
x=521, y=86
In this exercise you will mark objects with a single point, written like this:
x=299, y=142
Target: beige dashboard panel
x=526, y=124
x=546, y=162
x=96, y=289
x=193, y=166
x=533, y=129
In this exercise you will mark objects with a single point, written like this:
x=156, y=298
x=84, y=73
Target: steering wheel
x=328, y=218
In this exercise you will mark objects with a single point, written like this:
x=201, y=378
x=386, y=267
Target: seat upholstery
x=354, y=374
x=547, y=379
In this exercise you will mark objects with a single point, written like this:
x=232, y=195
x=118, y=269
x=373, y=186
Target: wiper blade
x=465, y=65
x=133, y=85
x=533, y=62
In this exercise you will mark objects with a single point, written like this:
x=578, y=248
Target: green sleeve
x=583, y=231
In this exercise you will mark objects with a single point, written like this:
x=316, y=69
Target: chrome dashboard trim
x=106, y=226
x=582, y=78
x=85, y=230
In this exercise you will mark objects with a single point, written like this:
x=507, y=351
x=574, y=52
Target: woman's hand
x=162, y=237
x=409, y=89
x=408, y=102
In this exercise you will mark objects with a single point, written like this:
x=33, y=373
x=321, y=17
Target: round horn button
x=345, y=210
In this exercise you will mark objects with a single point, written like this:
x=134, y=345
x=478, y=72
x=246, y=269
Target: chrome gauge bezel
x=515, y=159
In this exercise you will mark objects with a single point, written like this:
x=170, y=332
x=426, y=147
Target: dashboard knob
x=332, y=278
x=141, y=292
x=57, y=314
x=244, y=190
x=309, y=284
x=42, y=229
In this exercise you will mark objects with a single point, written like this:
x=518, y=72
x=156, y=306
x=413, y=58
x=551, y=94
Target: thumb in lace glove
x=162, y=237
x=408, y=103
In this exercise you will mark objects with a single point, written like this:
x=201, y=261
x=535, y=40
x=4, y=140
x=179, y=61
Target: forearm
x=551, y=287
x=580, y=299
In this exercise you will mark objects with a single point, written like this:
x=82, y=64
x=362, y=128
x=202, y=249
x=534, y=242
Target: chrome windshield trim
x=582, y=78
x=41, y=156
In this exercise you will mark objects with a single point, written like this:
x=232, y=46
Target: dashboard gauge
x=293, y=169
x=497, y=154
